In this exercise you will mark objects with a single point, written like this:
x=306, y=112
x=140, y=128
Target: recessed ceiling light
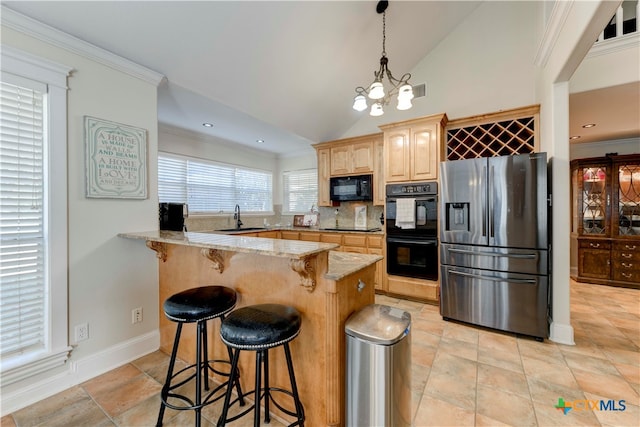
x=589, y=125
x=575, y=137
x=260, y=141
x=207, y=125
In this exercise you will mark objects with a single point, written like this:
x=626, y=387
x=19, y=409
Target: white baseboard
x=80, y=371
x=562, y=334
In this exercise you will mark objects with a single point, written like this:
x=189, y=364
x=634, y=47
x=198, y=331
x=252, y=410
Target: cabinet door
x=379, y=277
x=594, y=259
x=424, y=152
x=309, y=236
x=341, y=160
x=378, y=173
x=289, y=235
x=397, y=160
x=362, y=157
x=324, y=174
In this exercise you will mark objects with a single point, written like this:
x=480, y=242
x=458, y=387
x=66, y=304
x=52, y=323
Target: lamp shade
x=376, y=109
x=376, y=91
x=404, y=104
x=405, y=92
x=360, y=103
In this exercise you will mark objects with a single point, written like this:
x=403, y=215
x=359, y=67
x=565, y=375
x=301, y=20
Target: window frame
x=57, y=349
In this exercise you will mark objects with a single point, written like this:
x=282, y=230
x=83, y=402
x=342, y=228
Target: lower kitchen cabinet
x=423, y=290
x=594, y=259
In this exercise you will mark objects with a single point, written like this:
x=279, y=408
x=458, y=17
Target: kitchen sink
x=240, y=230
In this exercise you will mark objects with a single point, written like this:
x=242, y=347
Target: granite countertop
x=303, y=229
x=341, y=264
x=235, y=243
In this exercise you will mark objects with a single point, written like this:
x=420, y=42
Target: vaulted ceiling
x=279, y=71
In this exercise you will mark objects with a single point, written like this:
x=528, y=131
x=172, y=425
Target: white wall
x=108, y=276
x=484, y=65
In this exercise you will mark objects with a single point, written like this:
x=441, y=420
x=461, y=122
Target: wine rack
x=504, y=133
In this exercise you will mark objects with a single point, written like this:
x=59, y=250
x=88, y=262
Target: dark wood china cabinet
x=606, y=219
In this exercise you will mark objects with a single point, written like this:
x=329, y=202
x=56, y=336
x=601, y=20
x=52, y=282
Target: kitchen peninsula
x=324, y=285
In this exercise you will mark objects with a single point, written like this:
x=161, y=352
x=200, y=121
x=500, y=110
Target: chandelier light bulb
x=376, y=110
x=360, y=103
x=376, y=91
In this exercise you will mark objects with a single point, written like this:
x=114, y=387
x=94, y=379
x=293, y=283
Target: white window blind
x=300, y=190
x=210, y=187
x=22, y=231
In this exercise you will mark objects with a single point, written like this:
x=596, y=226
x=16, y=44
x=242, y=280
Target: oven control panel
x=414, y=189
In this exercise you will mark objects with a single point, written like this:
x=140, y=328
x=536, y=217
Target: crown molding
x=21, y=23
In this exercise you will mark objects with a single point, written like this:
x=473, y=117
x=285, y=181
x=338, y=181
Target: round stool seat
x=258, y=327
x=199, y=304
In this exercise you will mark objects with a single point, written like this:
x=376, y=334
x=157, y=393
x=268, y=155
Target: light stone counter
x=341, y=264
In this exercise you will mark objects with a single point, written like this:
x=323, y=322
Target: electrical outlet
x=82, y=332
x=136, y=315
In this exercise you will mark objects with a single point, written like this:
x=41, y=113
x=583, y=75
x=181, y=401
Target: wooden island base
x=325, y=301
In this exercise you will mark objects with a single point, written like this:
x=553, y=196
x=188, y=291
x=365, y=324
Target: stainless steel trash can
x=378, y=371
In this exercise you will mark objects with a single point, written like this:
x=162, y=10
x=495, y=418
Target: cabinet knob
x=594, y=245
x=361, y=285
x=625, y=265
x=627, y=275
x=631, y=247
x=626, y=255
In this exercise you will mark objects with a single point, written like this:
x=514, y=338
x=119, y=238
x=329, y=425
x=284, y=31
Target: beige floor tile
x=631, y=373
x=502, y=379
x=111, y=379
x=555, y=373
x=608, y=386
x=456, y=367
x=117, y=400
x=548, y=393
x=459, y=348
x=591, y=364
x=630, y=416
x=505, y=407
x=623, y=356
x=501, y=359
x=437, y=412
x=442, y=386
x=422, y=355
x=425, y=338
x=484, y=421
x=66, y=402
x=458, y=332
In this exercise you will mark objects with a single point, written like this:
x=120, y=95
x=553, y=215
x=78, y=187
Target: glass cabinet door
x=628, y=199
x=594, y=200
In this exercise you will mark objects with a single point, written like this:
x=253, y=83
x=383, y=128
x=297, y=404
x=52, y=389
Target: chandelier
x=376, y=91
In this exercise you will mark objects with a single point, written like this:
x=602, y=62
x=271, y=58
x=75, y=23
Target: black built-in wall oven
x=412, y=246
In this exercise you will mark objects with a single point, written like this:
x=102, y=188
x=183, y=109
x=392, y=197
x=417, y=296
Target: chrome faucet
x=236, y=216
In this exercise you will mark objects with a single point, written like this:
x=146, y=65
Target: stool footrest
x=271, y=398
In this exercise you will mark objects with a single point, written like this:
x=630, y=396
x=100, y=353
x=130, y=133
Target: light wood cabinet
x=414, y=148
x=324, y=174
x=606, y=219
x=289, y=235
x=360, y=155
x=378, y=173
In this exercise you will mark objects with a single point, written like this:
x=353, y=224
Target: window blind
x=300, y=190
x=210, y=187
x=22, y=231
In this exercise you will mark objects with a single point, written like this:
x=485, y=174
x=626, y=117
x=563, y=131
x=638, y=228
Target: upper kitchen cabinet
x=350, y=156
x=606, y=219
x=414, y=148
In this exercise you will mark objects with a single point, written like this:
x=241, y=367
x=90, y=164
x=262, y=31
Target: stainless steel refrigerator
x=494, y=252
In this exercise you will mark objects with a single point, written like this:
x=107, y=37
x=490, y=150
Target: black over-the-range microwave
x=351, y=188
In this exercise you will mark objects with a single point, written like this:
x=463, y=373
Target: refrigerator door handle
x=491, y=207
x=494, y=278
x=468, y=252
x=484, y=206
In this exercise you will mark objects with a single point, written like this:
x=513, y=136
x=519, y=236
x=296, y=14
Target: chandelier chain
x=384, y=34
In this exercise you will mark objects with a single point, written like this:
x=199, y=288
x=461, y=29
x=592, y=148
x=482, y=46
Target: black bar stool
x=198, y=305
x=259, y=328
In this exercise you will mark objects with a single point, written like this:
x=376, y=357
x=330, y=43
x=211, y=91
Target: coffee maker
x=172, y=216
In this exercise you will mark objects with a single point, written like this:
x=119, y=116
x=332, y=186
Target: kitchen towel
x=406, y=213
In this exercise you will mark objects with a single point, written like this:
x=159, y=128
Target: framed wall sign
x=116, y=160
